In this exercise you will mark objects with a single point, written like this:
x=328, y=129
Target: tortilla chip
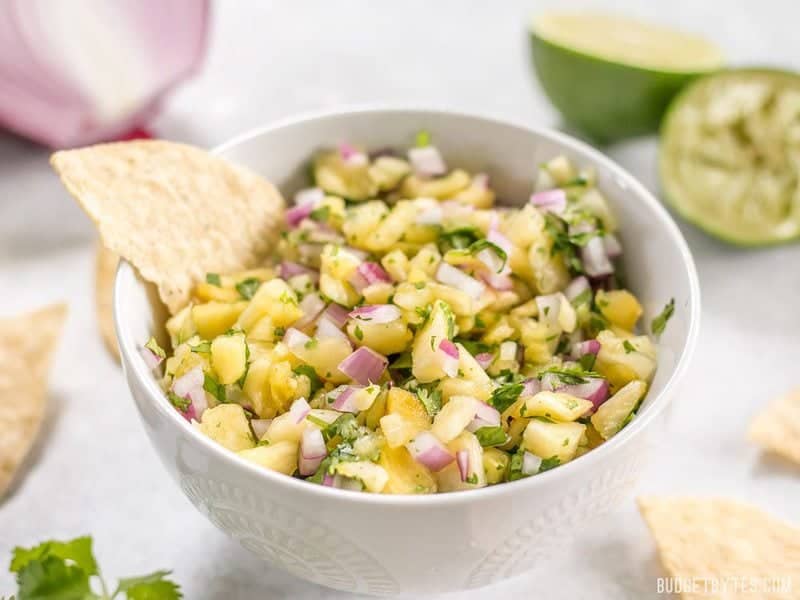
x=777, y=429
x=105, y=269
x=26, y=345
x=174, y=211
x=719, y=542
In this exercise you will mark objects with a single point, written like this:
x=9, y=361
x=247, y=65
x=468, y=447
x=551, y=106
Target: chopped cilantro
x=310, y=344
x=247, y=287
x=358, y=333
x=203, y=347
x=279, y=332
x=658, y=324
x=515, y=465
x=485, y=244
x=587, y=361
x=214, y=387
x=431, y=399
x=491, y=436
x=505, y=395
x=459, y=237
x=403, y=361
x=423, y=312
x=153, y=346
x=322, y=424
x=549, y=463
x=182, y=404
x=313, y=379
x=422, y=139
x=320, y=214
x=473, y=479
x=345, y=426
x=583, y=298
x=214, y=279
x=628, y=347
x=570, y=376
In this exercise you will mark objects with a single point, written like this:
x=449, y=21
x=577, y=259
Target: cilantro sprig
x=68, y=570
x=659, y=323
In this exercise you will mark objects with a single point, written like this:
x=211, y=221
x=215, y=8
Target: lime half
x=613, y=77
x=730, y=155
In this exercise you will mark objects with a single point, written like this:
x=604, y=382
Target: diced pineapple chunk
x=276, y=299
x=363, y=398
x=256, y=387
x=389, y=231
x=280, y=456
x=396, y=265
x=556, y=405
x=455, y=386
x=620, y=307
x=385, y=338
x=458, y=300
x=622, y=361
x=406, y=476
x=286, y=428
x=426, y=359
x=227, y=425
x=454, y=417
x=206, y=292
x=406, y=404
x=378, y=293
x=553, y=439
x=449, y=478
x=614, y=412
x=324, y=356
x=440, y=187
x=388, y=171
x=495, y=463
x=374, y=477
x=215, y=318
x=398, y=430
x=229, y=357
x=180, y=326
x=470, y=368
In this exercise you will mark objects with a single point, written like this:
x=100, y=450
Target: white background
x=94, y=472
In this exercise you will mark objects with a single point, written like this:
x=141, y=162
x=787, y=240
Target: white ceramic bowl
x=384, y=545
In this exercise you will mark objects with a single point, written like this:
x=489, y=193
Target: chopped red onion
x=484, y=359
x=594, y=258
x=190, y=380
x=427, y=161
x=344, y=398
x=549, y=307
x=501, y=283
x=311, y=305
x=487, y=413
x=289, y=269
x=586, y=347
x=449, y=275
x=328, y=480
x=531, y=387
x=326, y=329
x=491, y=260
x=312, y=451
x=376, y=313
x=462, y=460
x=612, y=245
x=312, y=196
x=199, y=401
x=551, y=382
x=554, y=201
x=373, y=273
x=294, y=339
x=364, y=365
x=352, y=155
x=449, y=357
x=260, y=426
x=299, y=410
x=530, y=464
x=576, y=287
x=337, y=314
x=427, y=450
x=596, y=390
x=150, y=358
x=296, y=214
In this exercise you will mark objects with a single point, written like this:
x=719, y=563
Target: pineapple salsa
x=412, y=337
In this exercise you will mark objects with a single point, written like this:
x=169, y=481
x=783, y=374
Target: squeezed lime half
x=729, y=158
x=613, y=77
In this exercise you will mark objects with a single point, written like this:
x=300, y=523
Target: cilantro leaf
x=214, y=387
x=491, y=436
x=659, y=323
x=345, y=426
x=52, y=578
x=587, y=361
x=214, y=279
x=320, y=214
x=203, y=347
x=583, y=298
x=423, y=138
x=79, y=551
x=149, y=587
x=247, y=287
x=431, y=399
x=459, y=237
x=549, y=463
x=628, y=347
x=153, y=346
x=403, y=361
x=515, y=465
x=313, y=378
x=570, y=376
x=182, y=404
x=505, y=395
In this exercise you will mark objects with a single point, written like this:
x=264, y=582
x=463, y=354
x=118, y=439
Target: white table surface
x=94, y=471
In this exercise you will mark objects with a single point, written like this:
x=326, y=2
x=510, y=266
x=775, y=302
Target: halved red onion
x=427, y=161
x=427, y=450
x=430, y=215
x=344, y=398
x=326, y=329
x=312, y=196
x=585, y=347
x=530, y=464
x=364, y=365
x=449, y=357
x=311, y=305
x=260, y=426
x=449, y=275
x=462, y=460
x=296, y=214
x=372, y=272
x=192, y=379
x=554, y=201
x=289, y=269
x=484, y=359
x=150, y=358
x=337, y=314
x=299, y=410
x=594, y=258
x=530, y=387
x=612, y=245
x=549, y=307
x=376, y=313
x=576, y=287
x=312, y=451
x=487, y=413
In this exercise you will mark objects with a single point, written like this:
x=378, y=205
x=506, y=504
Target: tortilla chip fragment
x=105, y=269
x=777, y=429
x=174, y=211
x=26, y=345
x=720, y=544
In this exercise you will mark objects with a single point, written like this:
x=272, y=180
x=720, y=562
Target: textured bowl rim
x=137, y=369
